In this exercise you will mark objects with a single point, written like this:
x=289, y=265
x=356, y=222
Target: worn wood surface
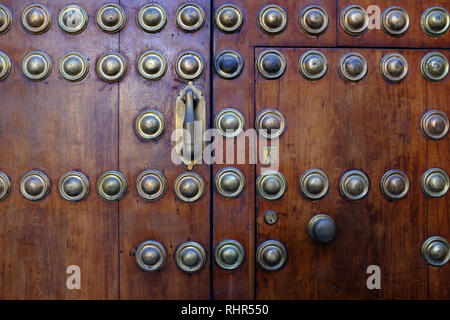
x=57, y=126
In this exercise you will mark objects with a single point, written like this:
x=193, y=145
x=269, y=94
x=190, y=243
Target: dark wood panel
x=438, y=153
x=167, y=220
x=415, y=36
x=336, y=126
x=57, y=126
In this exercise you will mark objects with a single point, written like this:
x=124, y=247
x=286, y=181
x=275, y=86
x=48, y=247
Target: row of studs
x=271, y=64
x=313, y=65
x=354, y=20
x=111, y=66
x=313, y=20
x=229, y=182
x=111, y=18
x=354, y=184
x=111, y=185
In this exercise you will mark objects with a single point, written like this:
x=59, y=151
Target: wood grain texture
x=415, y=37
x=240, y=213
x=438, y=156
x=168, y=220
x=57, y=126
x=336, y=126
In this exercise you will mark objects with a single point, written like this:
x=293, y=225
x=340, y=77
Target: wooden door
x=365, y=127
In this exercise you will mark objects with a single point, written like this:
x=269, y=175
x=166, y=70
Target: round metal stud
x=272, y=19
x=5, y=186
x=394, y=67
x=435, y=21
x=394, y=184
x=313, y=20
x=270, y=217
x=5, y=66
x=353, y=66
x=111, y=67
x=190, y=17
x=150, y=125
x=152, y=65
x=190, y=257
x=229, y=122
x=189, y=65
x=271, y=185
x=354, y=185
x=112, y=185
x=5, y=19
x=313, y=65
x=189, y=187
x=35, y=185
x=228, y=18
x=230, y=182
x=354, y=20
x=74, y=66
x=271, y=255
x=321, y=229
x=151, y=185
x=36, y=18
x=270, y=123
x=271, y=64
x=434, y=66
x=36, y=65
x=229, y=64
x=395, y=21
x=229, y=254
x=314, y=184
x=151, y=256
x=435, y=183
x=434, y=124
x=111, y=18
x=436, y=251
x=73, y=19
x=152, y=18
x=74, y=186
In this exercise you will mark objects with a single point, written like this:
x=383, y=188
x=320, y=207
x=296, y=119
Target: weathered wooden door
x=327, y=178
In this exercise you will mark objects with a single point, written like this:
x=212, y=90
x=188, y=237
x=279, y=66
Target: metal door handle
x=190, y=125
